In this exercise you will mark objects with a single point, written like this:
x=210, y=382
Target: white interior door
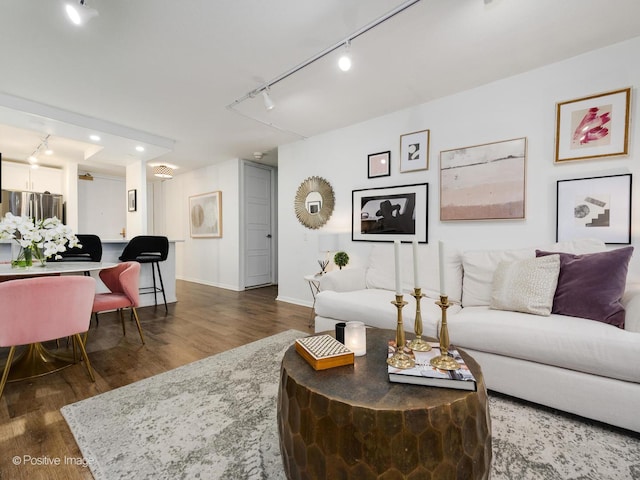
x=258, y=225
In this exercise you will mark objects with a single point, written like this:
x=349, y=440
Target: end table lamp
x=327, y=243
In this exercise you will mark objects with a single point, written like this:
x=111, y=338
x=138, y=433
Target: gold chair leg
x=77, y=339
x=5, y=374
x=135, y=315
x=124, y=331
x=73, y=346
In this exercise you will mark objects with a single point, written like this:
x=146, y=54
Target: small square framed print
x=379, y=164
x=414, y=151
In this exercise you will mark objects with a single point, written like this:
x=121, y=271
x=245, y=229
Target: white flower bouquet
x=42, y=238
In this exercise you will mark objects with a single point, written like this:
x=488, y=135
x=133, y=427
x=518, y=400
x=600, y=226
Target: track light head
x=344, y=63
x=79, y=13
x=268, y=103
x=47, y=149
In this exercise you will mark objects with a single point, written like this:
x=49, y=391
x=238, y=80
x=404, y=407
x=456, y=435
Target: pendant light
x=162, y=171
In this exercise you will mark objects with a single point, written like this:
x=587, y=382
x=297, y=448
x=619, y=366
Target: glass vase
x=21, y=257
x=38, y=257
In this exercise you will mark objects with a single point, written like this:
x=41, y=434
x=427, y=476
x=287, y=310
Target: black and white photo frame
x=386, y=214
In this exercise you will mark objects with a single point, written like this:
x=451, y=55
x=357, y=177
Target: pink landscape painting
x=483, y=182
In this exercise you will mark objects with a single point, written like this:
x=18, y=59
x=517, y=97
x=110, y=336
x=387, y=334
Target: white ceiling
x=165, y=72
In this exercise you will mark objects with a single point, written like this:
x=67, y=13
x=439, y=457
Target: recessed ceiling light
x=95, y=138
x=140, y=148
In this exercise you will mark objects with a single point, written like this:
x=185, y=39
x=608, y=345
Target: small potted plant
x=341, y=259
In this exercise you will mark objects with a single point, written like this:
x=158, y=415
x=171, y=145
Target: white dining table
x=52, y=268
x=36, y=359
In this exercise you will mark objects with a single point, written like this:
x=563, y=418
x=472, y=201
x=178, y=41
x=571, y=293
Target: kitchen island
x=111, y=250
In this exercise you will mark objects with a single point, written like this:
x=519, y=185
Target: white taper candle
x=396, y=246
x=443, y=279
x=416, y=270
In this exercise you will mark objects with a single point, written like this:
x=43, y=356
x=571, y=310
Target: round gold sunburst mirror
x=314, y=202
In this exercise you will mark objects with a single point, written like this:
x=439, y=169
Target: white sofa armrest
x=346, y=280
x=631, y=303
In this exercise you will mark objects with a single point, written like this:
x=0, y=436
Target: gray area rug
x=216, y=419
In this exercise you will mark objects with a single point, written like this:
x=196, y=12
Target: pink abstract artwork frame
x=594, y=126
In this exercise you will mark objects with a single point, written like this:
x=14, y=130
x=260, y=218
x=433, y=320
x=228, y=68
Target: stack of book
x=324, y=351
x=424, y=374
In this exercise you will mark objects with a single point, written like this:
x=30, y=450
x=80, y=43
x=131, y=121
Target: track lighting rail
x=323, y=53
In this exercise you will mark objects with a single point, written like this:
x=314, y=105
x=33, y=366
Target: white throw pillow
x=480, y=265
x=526, y=286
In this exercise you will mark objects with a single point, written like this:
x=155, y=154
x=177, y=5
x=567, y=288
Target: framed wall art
x=595, y=207
x=390, y=213
x=379, y=164
x=132, y=200
x=205, y=215
x=594, y=126
x=414, y=151
x=484, y=182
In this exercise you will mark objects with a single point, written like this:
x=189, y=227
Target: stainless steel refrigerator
x=32, y=204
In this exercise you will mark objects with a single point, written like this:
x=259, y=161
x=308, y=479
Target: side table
x=350, y=422
x=314, y=286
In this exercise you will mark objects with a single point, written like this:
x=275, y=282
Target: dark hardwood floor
x=205, y=321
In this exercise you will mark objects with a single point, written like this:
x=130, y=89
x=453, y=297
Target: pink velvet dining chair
x=40, y=309
x=123, y=281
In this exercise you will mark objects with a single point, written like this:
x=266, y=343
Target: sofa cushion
x=558, y=340
x=592, y=285
x=479, y=266
x=344, y=280
x=381, y=269
x=374, y=308
x=526, y=285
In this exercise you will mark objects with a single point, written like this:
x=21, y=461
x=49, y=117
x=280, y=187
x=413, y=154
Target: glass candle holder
x=355, y=338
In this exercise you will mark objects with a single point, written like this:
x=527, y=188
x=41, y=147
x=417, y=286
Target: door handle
x=268, y=235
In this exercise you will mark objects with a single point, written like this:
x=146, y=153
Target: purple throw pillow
x=591, y=285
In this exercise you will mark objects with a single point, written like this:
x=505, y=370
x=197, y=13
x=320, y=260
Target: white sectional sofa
x=578, y=365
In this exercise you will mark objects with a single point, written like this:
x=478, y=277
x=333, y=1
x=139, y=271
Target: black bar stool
x=90, y=251
x=149, y=249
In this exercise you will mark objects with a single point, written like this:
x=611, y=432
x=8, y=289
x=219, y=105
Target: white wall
x=70, y=191
x=210, y=261
x=520, y=106
x=102, y=206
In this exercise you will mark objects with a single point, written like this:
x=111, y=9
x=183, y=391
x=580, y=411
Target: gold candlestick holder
x=418, y=344
x=444, y=361
x=400, y=359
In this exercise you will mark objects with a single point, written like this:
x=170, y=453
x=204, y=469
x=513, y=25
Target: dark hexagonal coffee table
x=351, y=423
